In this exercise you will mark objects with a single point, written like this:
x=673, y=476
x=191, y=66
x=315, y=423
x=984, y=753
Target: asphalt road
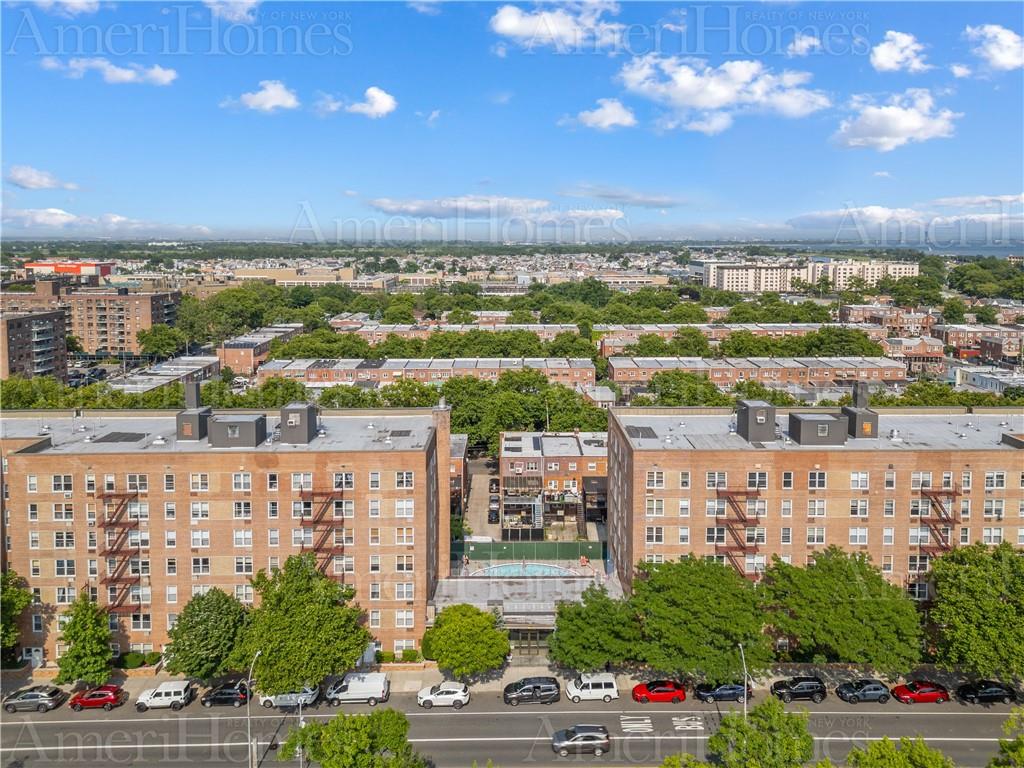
x=484, y=729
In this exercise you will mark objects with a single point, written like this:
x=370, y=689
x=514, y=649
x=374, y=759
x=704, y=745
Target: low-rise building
x=177, y=370
x=33, y=344
x=962, y=335
x=923, y=354
x=244, y=354
x=375, y=333
x=615, y=337
x=1004, y=352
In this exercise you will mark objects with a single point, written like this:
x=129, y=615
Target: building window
x=344, y=481
x=917, y=564
x=63, y=568
x=374, y=563
x=373, y=507
x=344, y=508
x=63, y=539
x=404, y=590
x=787, y=536
x=714, y=480
x=63, y=512
x=170, y=510
x=242, y=510
x=992, y=536
x=142, y=622
x=302, y=481
x=61, y=484
x=684, y=535
x=242, y=537
x=32, y=483
x=302, y=509
x=655, y=534
x=139, y=483
x=994, y=508
x=302, y=537
x=272, y=481
x=168, y=483
x=272, y=509
x=816, y=507
x=684, y=481
x=684, y=507
x=404, y=480
x=655, y=507
x=995, y=480
x=655, y=480
x=858, y=537
x=244, y=593
x=404, y=563
x=374, y=483
x=858, y=507
x=920, y=536
x=404, y=536
x=816, y=480
x=757, y=481
x=404, y=620
x=273, y=537
x=241, y=481
x=714, y=535
x=199, y=481
x=919, y=480
x=404, y=508
x=199, y=510
x=171, y=566
x=816, y=535
x=375, y=619
x=243, y=565
x=756, y=535
x=787, y=481
x=858, y=481
x=200, y=566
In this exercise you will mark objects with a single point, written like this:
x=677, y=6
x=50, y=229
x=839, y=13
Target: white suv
x=307, y=697
x=175, y=694
x=446, y=694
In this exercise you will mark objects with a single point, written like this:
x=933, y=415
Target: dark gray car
x=532, y=690
x=863, y=690
x=38, y=698
x=581, y=740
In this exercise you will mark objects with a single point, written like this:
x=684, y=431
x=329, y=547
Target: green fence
x=530, y=551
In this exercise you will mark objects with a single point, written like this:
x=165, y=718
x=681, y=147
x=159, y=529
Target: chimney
x=192, y=394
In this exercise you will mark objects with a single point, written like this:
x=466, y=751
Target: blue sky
x=144, y=119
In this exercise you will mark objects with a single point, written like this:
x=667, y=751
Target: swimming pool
x=520, y=570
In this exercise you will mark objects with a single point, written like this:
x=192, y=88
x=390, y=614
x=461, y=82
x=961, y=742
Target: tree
x=87, y=656
x=15, y=597
x=1011, y=749
x=693, y=615
x=593, y=632
x=979, y=610
x=304, y=626
x=466, y=641
x=461, y=316
x=684, y=388
x=770, y=738
x=986, y=314
x=841, y=607
x=205, y=635
x=953, y=311
x=161, y=340
x=906, y=753
x=377, y=740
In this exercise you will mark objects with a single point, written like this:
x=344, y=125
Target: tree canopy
x=15, y=597
x=86, y=635
x=466, y=641
x=905, y=753
x=770, y=737
x=161, y=340
x=593, y=632
x=205, y=634
x=377, y=740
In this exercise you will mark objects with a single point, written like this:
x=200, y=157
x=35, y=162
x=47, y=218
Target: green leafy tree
x=1011, y=749
x=87, y=656
x=979, y=610
x=906, y=753
x=15, y=597
x=677, y=388
x=377, y=740
x=682, y=761
x=161, y=340
x=953, y=311
x=693, y=615
x=305, y=627
x=409, y=393
x=205, y=634
x=987, y=314
x=770, y=737
x=461, y=316
x=466, y=641
x=841, y=607
x=593, y=632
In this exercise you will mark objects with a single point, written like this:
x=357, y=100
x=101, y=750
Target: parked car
x=800, y=688
x=600, y=686
x=174, y=694
x=38, y=698
x=306, y=697
x=866, y=689
x=492, y=485
x=660, y=690
x=104, y=697
x=709, y=692
x=370, y=687
x=532, y=690
x=494, y=502
x=920, y=692
x=234, y=694
x=493, y=516
x=986, y=692
x=445, y=694
x=581, y=739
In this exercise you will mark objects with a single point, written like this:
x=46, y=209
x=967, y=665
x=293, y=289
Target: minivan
x=370, y=687
x=532, y=690
x=592, y=687
x=306, y=697
x=174, y=694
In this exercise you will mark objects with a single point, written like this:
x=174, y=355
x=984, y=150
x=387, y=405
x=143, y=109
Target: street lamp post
x=743, y=659
x=302, y=723
x=248, y=717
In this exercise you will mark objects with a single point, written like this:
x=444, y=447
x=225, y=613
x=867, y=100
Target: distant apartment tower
x=761, y=277
x=33, y=344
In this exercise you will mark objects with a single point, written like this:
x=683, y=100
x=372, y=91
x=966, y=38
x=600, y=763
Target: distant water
x=1000, y=251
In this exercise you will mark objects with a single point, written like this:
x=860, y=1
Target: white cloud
x=27, y=177
x=235, y=11
x=960, y=70
x=595, y=214
x=623, y=196
x=899, y=51
x=802, y=45
x=111, y=73
x=978, y=201
x=426, y=7
x=500, y=50
x=45, y=220
x=271, y=96
x=566, y=27
x=1000, y=47
x=69, y=7
x=350, y=193
x=431, y=117
x=705, y=98
x=908, y=117
x=882, y=175
x=327, y=104
x=906, y=224
x=869, y=215
x=378, y=103
x=607, y=115
x=468, y=206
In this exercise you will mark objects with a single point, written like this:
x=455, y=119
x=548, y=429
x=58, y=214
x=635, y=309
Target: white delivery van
x=370, y=687
x=595, y=687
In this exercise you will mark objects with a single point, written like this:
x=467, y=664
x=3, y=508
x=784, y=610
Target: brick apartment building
x=375, y=333
x=964, y=336
x=1004, y=352
x=244, y=354
x=922, y=354
x=102, y=320
x=329, y=373
x=902, y=487
x=212, y=498
x=33, y=344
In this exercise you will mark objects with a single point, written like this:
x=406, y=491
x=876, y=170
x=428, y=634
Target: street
x=643, y=735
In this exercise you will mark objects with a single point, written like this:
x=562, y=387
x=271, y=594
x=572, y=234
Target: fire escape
x=322, y=522
x=736, y=546
x=117, y=526
x=941, y=524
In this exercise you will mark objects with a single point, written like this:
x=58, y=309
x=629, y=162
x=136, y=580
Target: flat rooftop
x=544, y=444
x=684, y=430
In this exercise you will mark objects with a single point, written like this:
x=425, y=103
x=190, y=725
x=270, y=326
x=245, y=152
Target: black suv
x=227, y=695
x=986, y=692
x=532, y=690
x=800, y=688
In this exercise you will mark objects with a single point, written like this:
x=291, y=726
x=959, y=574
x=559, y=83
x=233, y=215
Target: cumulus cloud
x=899, y=51
x=27, y=177
x=76, y=68
x=326, y=104
x=607, y=115
x=908, y=117
x=905, y=224
x=566, y=27
x=622, y=196
x=426, y=7
x=57, y=220
x=960, y=70
x=978, y=201
x=705, y=98
x=377, y=103
x=235, y=11
x=271, y=96
x=999, y=47
x=803, y=45
x=469, y=206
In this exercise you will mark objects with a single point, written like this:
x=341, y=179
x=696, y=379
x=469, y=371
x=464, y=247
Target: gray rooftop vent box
x=298, y=423
x=192, y=394
x=192, y=423
x=755, y=421
x=862, y=422
x=861, y=394
x=237, y=431
x=818, y=428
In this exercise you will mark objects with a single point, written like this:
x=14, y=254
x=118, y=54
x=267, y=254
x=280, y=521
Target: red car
x=106, y=696
x=920, y=692
x=660, y=690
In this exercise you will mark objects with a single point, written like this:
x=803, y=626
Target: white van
x=175, y=694
x=370, y=687
x=592, y=687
